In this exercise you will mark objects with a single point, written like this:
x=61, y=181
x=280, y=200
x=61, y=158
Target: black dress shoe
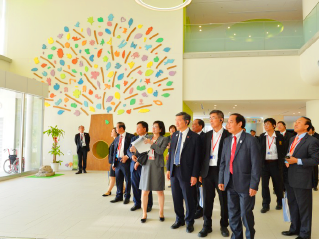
x=204, y=232
x=264, y=210
x=78, y=172
x=135, y=208
x=149, y=209
x=278, y=207
x=126, y=201
x=198, y=214
x=117, y=200
x=143, y=220
x=190, y=228
x=162, y=219
x=84, y=171
x=177, y=225
x=299, y=237
x=288, y=233
x=224, y=231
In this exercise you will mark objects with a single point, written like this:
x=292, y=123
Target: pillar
x=312, y=110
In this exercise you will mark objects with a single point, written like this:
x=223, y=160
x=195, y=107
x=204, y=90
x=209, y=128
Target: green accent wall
x=187, y=110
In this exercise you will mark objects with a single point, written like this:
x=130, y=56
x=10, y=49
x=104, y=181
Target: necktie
x=232, y=156
x=177, y=154
x=120, y=145
x=293, y=145
x=81, y=137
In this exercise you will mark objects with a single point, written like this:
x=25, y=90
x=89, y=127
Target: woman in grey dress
x=152, y=176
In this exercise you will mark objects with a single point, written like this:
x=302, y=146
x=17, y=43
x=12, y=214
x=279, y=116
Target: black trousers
x=82, y=156
x=315, y=177
x=197, y=196
x=300, y=206
x=182, y=190
x=271, y=169
x=240, y=210
x=122, y=171
x=210, y=183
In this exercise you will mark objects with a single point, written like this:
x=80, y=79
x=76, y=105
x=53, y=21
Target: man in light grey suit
x=239, y=175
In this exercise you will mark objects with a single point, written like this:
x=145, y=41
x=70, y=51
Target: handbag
x=285, y=208
x=142, y=159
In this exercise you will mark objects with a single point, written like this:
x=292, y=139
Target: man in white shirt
x=213, y=146
x=82, y=141
x=273, y=153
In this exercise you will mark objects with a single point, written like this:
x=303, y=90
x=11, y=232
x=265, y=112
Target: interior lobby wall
x=29, y=38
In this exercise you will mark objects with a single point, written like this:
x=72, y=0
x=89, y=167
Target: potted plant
x=55, y=133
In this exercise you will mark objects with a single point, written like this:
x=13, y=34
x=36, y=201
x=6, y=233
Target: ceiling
x=225, y=11
x=250, y=109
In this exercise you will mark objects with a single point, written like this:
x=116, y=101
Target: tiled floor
x=71, y=206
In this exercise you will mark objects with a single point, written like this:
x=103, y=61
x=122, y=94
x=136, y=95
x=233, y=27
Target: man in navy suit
x=121, y=163
x=136, y=169
x=183, y=168
x=82, y=141
x=239, y=175
x=302, y=157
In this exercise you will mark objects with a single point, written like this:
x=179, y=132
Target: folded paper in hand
x=140, y=145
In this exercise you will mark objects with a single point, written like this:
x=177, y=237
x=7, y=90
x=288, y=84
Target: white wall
x=31, y=24
x=245, y=78
x=307, y=6
x=309, y=64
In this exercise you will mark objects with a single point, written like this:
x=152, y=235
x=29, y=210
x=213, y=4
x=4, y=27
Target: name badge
x=214, y=157
x=269, y=153
x=151, y=158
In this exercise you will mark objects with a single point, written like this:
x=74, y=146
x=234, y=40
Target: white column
x=312, y=110
x=28, y=133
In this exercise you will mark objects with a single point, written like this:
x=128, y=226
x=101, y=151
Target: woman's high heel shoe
x=143, y=220
x=107, y=194
x=162, y=219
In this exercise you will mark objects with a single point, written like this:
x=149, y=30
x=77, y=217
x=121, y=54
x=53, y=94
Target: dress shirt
x=200, y=132
x=299, y=138
x=283, y=133
x=121, y=152
x=271, y=154
x=184, y=134
x=237, y=137
x=214, y=152
x=83, y=139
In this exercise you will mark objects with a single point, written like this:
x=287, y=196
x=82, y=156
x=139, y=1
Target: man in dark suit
x=281, y=126
x=239, y=175
x=213, y=142
x=82, y=141
x=121, y=163
x=136, y=169
x=273, y=154
x=197, y=127
x=303, y=155
x=183, y=167
x=253, y=133
x=315, y=168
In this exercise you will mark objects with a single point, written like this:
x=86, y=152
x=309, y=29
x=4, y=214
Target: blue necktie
x=177, y=154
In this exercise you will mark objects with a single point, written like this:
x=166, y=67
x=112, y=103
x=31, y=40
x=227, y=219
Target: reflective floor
x=71, y=206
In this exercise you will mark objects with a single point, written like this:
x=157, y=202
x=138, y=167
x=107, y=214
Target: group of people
x=228, y=161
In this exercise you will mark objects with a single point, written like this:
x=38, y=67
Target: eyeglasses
x=213, y=118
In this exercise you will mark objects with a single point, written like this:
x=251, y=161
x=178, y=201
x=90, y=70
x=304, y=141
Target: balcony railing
x=244, y=36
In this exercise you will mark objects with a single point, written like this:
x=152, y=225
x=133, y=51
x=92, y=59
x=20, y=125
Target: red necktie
x=232, y=156
x=120, y=145
x=81, y=137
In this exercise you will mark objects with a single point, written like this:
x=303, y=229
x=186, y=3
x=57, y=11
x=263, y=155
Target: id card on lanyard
x=214, y=156
x=269, y=145
x=151, y=154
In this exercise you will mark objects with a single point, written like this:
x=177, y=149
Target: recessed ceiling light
x=298, y=112
x=215, y=105
x=267, y=32
x=249, y=36
x=200, y=30
x=234, y=34
x=293, y=113
x=228, y=27
x=200, y=26
x=235, y=105
x=278, y=26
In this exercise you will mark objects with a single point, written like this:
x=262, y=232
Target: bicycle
x=11, y=165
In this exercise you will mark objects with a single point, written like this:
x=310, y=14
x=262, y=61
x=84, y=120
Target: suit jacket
x=159, y=147
x=127, y=142
x=287, y=137
x=190, y=155
x=280, y=144
x=247, y=163
x=316, y=135
x=300, y=176
x=78, y=143
x=111, y=151
x=208, y=148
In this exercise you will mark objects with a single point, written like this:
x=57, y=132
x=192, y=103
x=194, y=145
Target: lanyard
x=269, y=146
x=216, y=141
x=154, y=143
x=293, y=145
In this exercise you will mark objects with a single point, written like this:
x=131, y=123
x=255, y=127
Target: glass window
x=2, y=25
